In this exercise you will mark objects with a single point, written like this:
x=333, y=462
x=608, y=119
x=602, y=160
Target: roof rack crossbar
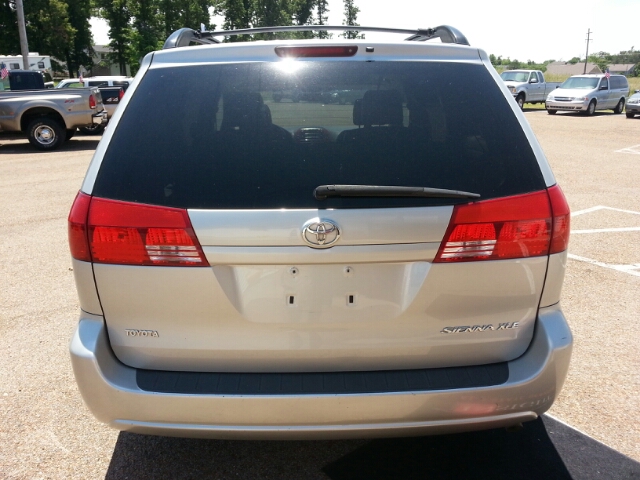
x=185, y=36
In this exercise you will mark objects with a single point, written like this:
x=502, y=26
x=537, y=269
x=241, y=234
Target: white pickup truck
x=528, y=86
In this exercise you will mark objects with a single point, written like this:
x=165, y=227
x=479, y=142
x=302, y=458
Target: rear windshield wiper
x=324, y=191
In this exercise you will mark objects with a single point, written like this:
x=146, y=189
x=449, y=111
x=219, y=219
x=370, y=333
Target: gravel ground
x=46, y=432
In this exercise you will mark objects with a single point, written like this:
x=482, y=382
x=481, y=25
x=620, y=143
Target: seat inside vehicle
x=245, y=114
x=378, y=116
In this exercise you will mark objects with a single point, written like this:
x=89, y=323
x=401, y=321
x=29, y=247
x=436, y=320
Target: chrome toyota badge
x=320, y=233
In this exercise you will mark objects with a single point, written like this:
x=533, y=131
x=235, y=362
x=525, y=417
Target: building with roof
x=622, y=68
x=102, y=65
x=568, y=69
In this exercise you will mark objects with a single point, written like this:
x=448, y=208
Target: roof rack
x=185, y=36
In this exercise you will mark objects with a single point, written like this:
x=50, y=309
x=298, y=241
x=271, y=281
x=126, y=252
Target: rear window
x=265, y=135
x=124, y=85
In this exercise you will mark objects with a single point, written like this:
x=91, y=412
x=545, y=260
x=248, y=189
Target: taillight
x=298, y=52
x=503, y=228
x=121, y=94
x=78, y=240
x=561, y=220
x=134, y=234
x=92, y=101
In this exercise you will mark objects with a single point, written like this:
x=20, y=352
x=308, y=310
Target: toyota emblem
x=320, y=233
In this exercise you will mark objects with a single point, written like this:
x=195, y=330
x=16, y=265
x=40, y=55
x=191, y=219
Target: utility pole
x=586, y=58
x=22, y=30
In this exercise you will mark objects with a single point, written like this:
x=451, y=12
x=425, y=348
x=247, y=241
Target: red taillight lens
x=110, y=231
x=78, y=240
x=561, y=220
x=121, y=94
x=92, y=101
x=511, y=227
x=298, y=52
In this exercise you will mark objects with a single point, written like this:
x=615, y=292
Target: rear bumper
x=111, y=392
x=100, y=117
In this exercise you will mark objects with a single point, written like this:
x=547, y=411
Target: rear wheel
x=620, y=107
x=45, y=133
x=520, y=101
x=591, y=109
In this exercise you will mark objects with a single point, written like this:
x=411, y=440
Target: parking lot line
x=602, y=207
x=634, y=150
x=633, y=269
x=608, y=230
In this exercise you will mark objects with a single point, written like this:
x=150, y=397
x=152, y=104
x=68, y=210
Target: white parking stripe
x=630, y=269
x=602, y=207
x=635, y=150
x=606, y=230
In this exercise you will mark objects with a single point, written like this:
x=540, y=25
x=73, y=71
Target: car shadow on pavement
x=543, y=449
x=20, y=145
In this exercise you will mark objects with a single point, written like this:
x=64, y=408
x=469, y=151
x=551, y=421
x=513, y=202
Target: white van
x=588, y=93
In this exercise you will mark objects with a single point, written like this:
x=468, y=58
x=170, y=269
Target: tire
x=552, y=112
x=591, y=109
x=520, y=101
x=46, y=133
x=620, y=107
x=629, y=115
x=95, y=129
x=70, y=133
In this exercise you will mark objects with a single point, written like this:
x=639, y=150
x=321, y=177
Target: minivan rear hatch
x=261, y=273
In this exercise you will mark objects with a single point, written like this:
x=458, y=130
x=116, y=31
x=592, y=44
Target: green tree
x=351, y=18
x=322, y=16
x=49, y=30
x=80, y=50
x=238, y=14
x=9, y=39
x=117, y=13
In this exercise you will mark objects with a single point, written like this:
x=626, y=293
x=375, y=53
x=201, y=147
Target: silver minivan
x=588, y=93
x=278, y=269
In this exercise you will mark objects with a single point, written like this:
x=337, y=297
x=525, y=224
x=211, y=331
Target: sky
x=535, y=30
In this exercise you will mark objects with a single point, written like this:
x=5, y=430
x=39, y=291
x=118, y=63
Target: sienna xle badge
x=273, y=263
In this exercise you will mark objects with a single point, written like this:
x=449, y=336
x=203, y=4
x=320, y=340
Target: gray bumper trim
x=111, y=392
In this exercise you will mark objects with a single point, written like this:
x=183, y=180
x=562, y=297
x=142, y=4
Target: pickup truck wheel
x=591, y=109
x=620, y=107
x=70, y=133
x=94, y=129
x=45, y=133
x=520, y=100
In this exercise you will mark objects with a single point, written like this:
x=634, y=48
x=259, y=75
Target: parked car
x=106, y=81
x=528, y=86
x=588, y=93
x=49, y=117
x=393, y=268
x=633, y=105
x=111, y=97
